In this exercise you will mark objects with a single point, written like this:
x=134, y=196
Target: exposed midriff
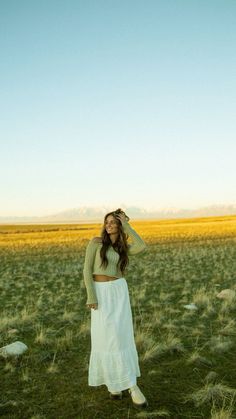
x=103, y=278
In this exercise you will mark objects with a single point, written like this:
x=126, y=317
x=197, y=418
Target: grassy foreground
x=187, y=357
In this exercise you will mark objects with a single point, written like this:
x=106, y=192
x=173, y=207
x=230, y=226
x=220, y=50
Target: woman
x=113, y=358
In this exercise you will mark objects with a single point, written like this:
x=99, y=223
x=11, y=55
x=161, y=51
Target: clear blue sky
x=105, y=102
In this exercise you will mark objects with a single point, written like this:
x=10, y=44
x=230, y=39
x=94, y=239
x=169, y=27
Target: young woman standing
x=113, y=358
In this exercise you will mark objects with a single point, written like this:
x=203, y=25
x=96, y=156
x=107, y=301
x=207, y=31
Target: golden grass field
x=187, y=357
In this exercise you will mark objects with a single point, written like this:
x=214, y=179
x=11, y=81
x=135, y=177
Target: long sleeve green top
x=93, y=260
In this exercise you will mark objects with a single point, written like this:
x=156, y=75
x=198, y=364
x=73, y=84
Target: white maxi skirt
x=113, y=358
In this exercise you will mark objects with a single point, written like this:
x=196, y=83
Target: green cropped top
x=93, y=260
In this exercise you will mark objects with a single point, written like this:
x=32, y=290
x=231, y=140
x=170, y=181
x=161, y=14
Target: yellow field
x=162, y=230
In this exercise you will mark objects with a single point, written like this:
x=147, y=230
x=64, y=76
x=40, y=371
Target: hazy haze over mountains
x=96, y=214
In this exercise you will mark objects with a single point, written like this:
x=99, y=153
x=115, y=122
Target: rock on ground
x=14, y=349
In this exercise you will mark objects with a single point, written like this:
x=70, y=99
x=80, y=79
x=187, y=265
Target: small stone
x=191, y=306
x=15, y=348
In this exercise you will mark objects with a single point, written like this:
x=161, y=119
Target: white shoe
x=137, y=396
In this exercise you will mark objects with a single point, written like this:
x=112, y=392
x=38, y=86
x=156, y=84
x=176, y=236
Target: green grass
x=187, y=358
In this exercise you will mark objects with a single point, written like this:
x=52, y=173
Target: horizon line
x=168, y=208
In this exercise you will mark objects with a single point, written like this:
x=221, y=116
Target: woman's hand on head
x=94, y=306
x=122, y=217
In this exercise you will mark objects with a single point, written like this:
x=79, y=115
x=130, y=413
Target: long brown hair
x=120, y=245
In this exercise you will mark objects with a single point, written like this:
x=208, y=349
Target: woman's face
x=111, y=225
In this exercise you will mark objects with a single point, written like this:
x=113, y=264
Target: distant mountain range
x=96, y=214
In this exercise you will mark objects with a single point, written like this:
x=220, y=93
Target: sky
x=105, y=102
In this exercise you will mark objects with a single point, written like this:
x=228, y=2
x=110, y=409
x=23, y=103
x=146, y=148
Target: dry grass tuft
x=211, y=393
x=66, y=341
x=170, y=344
x=220, y=344
x=196, y=358
x=225, y=411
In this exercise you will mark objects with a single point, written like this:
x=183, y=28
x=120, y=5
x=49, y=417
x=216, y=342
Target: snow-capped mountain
x=96, y=214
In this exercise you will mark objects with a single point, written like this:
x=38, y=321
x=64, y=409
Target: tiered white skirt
x=113, y=358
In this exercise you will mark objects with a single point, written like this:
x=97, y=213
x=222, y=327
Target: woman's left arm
x=138, y=245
